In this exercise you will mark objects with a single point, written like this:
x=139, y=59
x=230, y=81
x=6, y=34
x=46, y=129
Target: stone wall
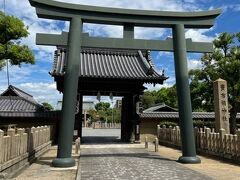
x=100, y=125
x=147, y=130
x=207, y=141
x=19, y=146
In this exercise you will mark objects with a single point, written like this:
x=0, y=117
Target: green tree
x=12, y=30
x=148, y=99
x=163, y=95
x=116, y=115
x=223, y=63
x=102, y=106
x=47, y=106
x=167, y=96
x=93, y=114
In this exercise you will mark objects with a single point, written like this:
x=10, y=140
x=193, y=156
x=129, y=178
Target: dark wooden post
x=123, y=120
x=79, y=116
x=131, y=111
x=127, y=119
x=136, y=120
x=184, y=99
x=66, y=128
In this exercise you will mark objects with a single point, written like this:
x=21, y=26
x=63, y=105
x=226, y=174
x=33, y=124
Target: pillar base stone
x=63, y=162
x=189, y=159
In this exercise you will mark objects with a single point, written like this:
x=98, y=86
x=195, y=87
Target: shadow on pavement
x=134, y=155
x=101, y=140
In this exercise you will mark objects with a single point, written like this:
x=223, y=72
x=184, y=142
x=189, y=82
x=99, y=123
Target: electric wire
x=6, y=49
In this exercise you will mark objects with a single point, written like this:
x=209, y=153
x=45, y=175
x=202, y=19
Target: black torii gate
x=77, y=14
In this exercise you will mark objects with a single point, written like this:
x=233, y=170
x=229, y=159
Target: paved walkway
x=127, y=162
x=131, y=164
x=110, y=159
x=215, y=168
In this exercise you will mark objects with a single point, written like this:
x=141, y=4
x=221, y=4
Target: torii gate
x=77, y=14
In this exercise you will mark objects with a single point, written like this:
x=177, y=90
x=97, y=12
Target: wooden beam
x=128, y=31
x=115, y=16
x=122, y=43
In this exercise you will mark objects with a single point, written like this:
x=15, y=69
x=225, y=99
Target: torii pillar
x=184, y=99
x=64, y=154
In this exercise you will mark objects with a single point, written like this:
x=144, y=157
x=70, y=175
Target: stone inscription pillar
x=221, y=105
x=66, y=125
x=183, y=93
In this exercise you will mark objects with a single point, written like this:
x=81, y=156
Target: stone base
x=63, y=162
x=189, y=159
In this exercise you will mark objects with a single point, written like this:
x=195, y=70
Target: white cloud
x=44, y=56
x=236, y=7
x=194, y=64
x=103, y=30
x=189, y=1
x=231, y=7
x=17, y=74
x=198, y=35
x=149, y=33
x=151, y=87
x=42, y=92
x=163, y=54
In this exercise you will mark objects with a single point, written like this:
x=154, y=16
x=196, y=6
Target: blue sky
x=35, y=79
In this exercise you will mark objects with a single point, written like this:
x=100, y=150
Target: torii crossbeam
x=128, y=18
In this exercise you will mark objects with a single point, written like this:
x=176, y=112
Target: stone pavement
x=131, y=164
x=126, y=162
x=215, y=168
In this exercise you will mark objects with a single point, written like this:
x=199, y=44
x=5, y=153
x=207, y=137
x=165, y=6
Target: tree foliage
x=47, y=106
x=104, y=113
x=12, y=30
x=163, y=95
x=102, y=106
x=148, y=99
x=223, y=63
x=167, y=96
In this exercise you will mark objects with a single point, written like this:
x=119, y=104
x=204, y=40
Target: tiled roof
x=175, y=115
x=121, y=64
x=15, y=103
x=14, y=99
x=159, y=108
x=14, y=91
x=46, y=114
